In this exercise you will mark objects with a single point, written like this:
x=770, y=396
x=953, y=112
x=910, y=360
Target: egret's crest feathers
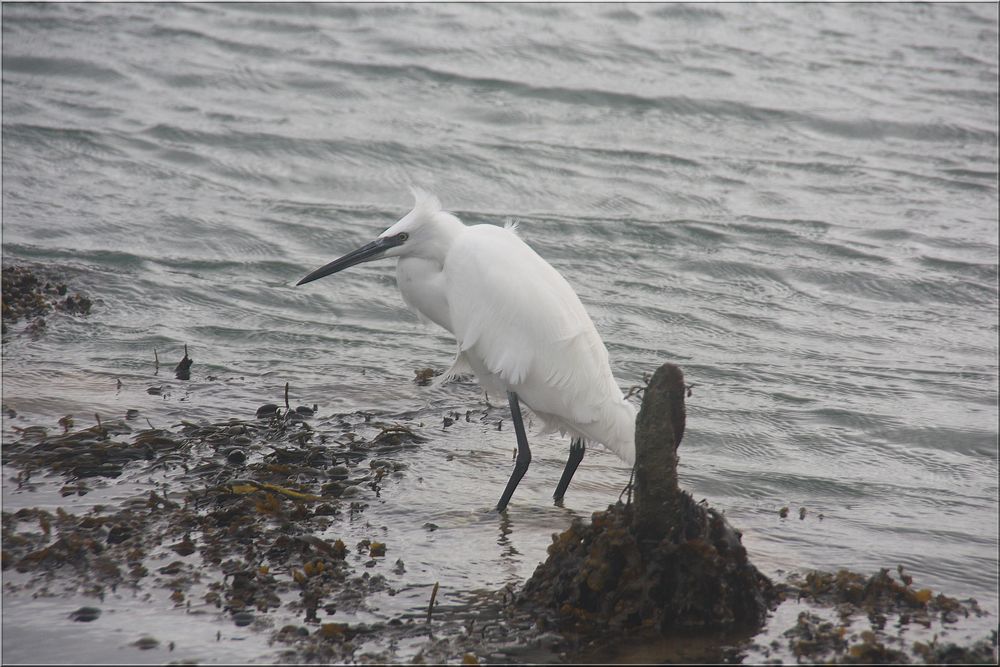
x=424, y=203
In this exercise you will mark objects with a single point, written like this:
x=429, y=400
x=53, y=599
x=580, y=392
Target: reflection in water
x=509, y=555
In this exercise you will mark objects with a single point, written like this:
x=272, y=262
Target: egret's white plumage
x=519, y=325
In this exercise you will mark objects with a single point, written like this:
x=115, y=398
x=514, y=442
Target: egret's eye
x=402, y=236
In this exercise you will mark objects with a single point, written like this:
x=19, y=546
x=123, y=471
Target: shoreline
x=256, y=528
x=230, y=532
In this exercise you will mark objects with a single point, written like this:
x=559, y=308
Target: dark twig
x=637, y=389
x=430, y=607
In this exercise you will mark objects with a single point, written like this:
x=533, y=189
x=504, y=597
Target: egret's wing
x=519, y=316
x=519, y=320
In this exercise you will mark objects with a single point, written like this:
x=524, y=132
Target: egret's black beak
x=365, y=253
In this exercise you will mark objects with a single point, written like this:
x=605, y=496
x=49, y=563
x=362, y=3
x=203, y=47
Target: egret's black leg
x=523, y=452
x=576, y=450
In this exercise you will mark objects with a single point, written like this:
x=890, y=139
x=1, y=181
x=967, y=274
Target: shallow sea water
x=795, y=203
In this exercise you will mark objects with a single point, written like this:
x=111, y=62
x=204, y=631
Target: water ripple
x=813, y=241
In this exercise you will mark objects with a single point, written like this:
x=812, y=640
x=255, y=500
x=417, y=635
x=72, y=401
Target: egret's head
x=413, y=234
x=416, y=227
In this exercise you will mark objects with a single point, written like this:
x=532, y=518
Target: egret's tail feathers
x=621, y=436
x=612, y=426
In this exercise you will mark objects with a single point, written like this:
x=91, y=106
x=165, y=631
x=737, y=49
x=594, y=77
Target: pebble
x=338, y=472
x=243, y=618
x=236, y=456
x=86, y=614
x=267, y=410
x=146, y=643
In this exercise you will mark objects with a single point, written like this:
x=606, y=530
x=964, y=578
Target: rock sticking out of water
x=30, y=294
x=667, y=566
x=424, y=376
x=664, y=562
x=597, y=575
x=183, y=369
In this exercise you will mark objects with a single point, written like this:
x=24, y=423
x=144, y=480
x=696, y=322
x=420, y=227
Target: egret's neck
x=421, y=282
x=420, y=272
x=435, y=238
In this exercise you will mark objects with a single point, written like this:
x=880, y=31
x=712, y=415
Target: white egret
x=520, y=328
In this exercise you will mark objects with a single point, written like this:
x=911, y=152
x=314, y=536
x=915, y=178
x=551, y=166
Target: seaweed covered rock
x=702, y=578
x=665, y=561
x=29, y=293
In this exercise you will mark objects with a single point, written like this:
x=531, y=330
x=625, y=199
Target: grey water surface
x=796, y=203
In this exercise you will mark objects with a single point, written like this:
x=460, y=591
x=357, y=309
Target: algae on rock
x=666, y=561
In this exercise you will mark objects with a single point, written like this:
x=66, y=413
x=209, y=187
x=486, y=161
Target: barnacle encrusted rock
x=664, y=561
